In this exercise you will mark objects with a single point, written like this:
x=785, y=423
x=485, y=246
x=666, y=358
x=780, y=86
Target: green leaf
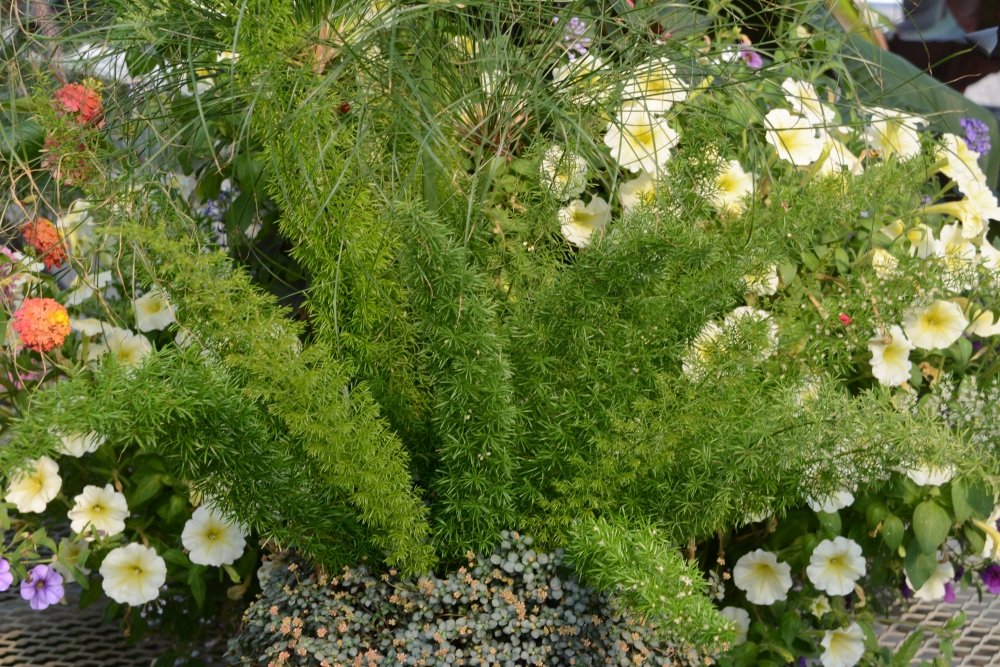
x=20, y=140
x=955, y=622
x=892, y=531
x=980, y=500
x=904, y=488
x=249, y=175
x=875, y=514
x=963, y=352
x=977, y=541
x=907, y=651
x=960, y=500
x=931, y=525
x=146, y=488
x=919, y=566
x=196, y=581
x=830, y=522
x=789, y=626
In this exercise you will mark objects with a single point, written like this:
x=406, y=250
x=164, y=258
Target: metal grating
x=65, y=636
x=978, y=642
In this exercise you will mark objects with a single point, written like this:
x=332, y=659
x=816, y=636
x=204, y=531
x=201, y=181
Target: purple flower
x=6, y=576
x=904, y=589
x=977, y=134
x=991, y=577
x=42, y=587
x=575, y=39
x=751, y=57
x=949, y=592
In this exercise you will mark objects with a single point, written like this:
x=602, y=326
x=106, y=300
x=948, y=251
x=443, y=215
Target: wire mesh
x=978, y=641
x=66, y=636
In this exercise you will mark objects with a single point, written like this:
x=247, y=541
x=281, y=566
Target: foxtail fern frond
x=474, y=415
x=646, y=573
x=309, y=390
x=198, y=420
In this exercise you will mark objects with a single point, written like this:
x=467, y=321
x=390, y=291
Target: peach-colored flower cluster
x=43, y=236
x=41, y=324
x=82, y=103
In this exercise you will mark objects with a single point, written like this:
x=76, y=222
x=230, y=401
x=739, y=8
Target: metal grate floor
x=65, y=636
x=978, y=642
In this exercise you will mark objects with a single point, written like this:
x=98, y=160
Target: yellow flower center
x=644, y=135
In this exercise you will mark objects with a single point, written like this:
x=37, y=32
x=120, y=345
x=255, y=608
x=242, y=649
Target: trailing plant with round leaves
x=515, y=606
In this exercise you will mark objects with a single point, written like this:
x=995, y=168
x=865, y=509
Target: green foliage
x=337, y=423
x=645, y=573
x=474, y=417
x=459, y=367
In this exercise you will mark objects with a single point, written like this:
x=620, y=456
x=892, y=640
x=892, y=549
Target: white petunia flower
x=934, y=588
x=583, y=79
x=921, y=241
x=732, y=188
x=795, y=139
x=211, y=539
x=89, y=326
x=838, y=159
x=843, y=647
x=802, y=97
x=894, y=132
x=929, y=476
x=579, y=221
x=961, y=164
x=762, y=577
x=835, y=565
x=884, y=263
x=974, y=212
x=762, y=284
x=700, y=351
x=103, y=509
x=152, y=311
x=838, y=500
x=133, y=574
x=936, y=326
x=640, y=191
x=990, y=257
x=128, y=348
x=639, y=140
x=985, y=324
x=655, y=87
x=79, y=444
x=564, y=174
x=740, y=620
x=989, y=547
x=754, y=327
x=33, y=488
x=77, y=227
x=891, y=357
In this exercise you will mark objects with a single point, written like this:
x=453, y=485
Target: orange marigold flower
x=82, y=103
x=43, y=236
x=42, y=324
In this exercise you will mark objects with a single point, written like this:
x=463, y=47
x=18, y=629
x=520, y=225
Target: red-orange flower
x=42, y=324
x=43, y=236
x=82, y=103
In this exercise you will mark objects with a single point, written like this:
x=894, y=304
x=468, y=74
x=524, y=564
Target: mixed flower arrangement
x=734, y=309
